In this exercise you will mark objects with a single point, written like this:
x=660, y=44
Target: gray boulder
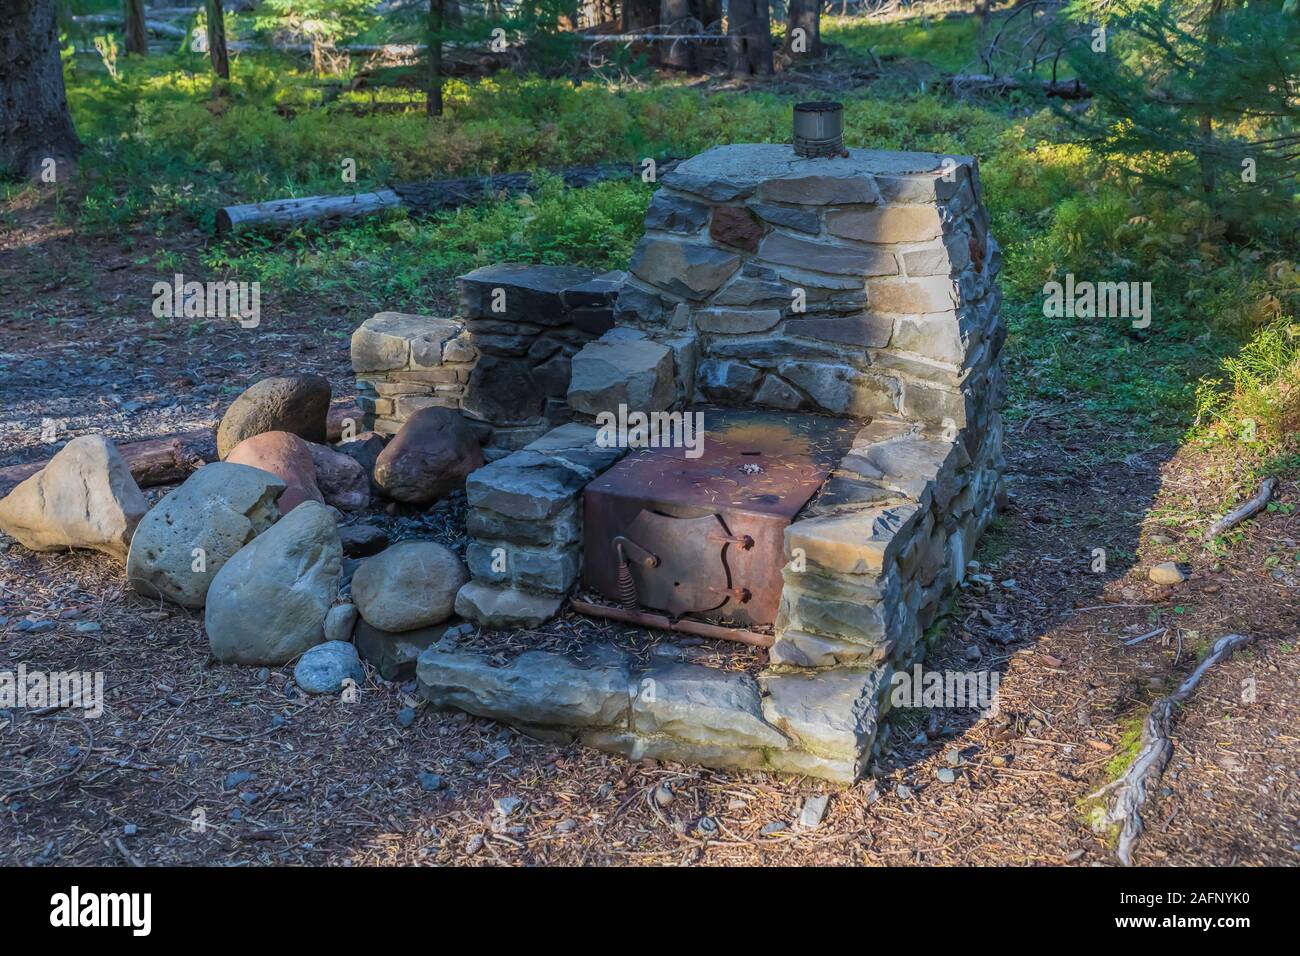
x=193, y=531
x=268, y=604
x=324, y=668
x=294, y=403
x=411, y=584
x=394, y=655
x=84, y=497
x=340, y=621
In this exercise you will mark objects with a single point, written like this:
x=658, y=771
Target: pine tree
x=1199, y=96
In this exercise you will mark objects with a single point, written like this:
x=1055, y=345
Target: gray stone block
x=537, y=688
x=701, y=705
x=687, y=269
x=832, y=714
x=617, y=370
x=827, y=256
x=673, y=213
x=528, y=293
x=776, y=392
x=525, y=485
x=497, y=608
x=394, y=654
x=721, y=380
x=792, y=217
x=560, y=529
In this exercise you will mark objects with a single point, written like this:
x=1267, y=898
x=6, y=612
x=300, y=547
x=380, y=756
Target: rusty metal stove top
x=704, y=536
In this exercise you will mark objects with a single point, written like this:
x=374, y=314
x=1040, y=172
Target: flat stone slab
x=727, y=172
x=536, y=688
x=391, y=340
x=521, y=292
x=527, y=484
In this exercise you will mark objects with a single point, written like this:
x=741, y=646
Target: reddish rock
x=287, y=457
x=342, y=480
x=336, y=422
x=364, y=450
x=735, y=227
x=430, y=457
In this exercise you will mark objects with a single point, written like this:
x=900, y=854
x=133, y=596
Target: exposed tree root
x=1240, y=514
x=1153, y=755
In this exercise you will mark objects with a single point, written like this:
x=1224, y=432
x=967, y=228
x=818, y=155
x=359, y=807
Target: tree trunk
x=137, y=40
x=1206, y=121
x=217, y=39
x=749, y=44
x=35, y=125
x=675, y=15
x=805, y=15
x=639, y=15
x=433, y=95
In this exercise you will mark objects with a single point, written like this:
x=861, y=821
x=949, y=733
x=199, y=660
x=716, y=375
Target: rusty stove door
x=680, y=565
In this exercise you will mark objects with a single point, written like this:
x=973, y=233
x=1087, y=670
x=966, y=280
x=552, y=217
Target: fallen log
x=986, y=83
x=1239, y=514
x=1154, y=750
x=115, y=20
x=153, y=461
x=422, y=197
x=281, y=213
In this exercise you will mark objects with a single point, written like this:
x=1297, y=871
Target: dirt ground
x=275, y=777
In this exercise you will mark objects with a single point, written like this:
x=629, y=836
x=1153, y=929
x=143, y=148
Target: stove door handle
x=624, y=544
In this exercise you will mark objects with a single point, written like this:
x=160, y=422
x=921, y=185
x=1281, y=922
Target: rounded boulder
x=410, y=585
x=431, y=456
x=267, y=604
x=287, y=457
x=194, y=530
x=293, y=403
x=326, y=667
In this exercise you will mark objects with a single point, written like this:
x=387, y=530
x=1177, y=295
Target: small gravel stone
x=233, y=780
x=947, y=775
x=431, y=782
x=663, y=795
x=776, y=826
x=814, y=808
x=506, y=805
x=406, y=716
x=1167, y=573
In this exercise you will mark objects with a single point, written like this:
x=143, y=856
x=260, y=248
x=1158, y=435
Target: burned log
x=987, y=83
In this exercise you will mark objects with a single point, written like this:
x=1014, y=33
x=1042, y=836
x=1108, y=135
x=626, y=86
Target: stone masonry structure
x=861, y=287
x=503, y=361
